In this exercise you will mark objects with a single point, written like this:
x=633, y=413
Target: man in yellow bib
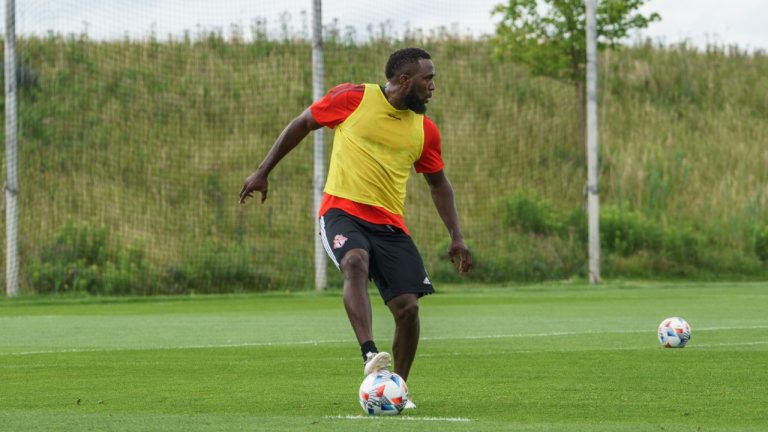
x=380, y=132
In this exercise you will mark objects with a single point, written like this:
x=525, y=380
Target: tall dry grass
x=152, y=140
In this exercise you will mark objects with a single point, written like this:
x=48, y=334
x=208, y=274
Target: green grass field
x=559, y=357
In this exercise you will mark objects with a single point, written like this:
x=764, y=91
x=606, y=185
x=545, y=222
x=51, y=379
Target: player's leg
x=405, y=310
x=398, y=270
x=345, y=241
x=354, y=265
x=357, y=303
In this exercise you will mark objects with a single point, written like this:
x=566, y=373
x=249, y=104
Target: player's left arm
x=445, y=203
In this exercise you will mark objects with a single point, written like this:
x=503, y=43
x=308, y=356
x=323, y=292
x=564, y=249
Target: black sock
x=367, y=347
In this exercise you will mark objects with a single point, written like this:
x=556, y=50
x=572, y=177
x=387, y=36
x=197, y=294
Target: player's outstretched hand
x=460, y=251
x=256, y=182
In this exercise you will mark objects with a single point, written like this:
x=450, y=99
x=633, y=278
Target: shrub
x=682, y=244
x=515, y=256
x=528, y=212
x=625, y=232
x=80, y=260
x=761, y=243
x=208, y=267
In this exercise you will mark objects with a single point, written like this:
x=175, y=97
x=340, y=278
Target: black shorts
x=395, y=265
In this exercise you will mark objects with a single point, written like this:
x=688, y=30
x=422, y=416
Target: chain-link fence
x=138, y=124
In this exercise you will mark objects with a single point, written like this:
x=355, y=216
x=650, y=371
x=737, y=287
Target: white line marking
x=333, y=341
x=729, y=344
x=360, y=417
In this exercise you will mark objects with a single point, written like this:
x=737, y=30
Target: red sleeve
x=338, y=104
x=431, y=160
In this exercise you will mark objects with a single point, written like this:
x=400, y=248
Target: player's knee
x=355, y=262
x=408, y=311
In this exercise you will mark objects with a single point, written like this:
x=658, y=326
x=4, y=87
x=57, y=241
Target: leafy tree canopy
x=551, y=39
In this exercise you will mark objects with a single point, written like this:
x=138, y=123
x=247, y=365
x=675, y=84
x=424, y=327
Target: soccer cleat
x=409, y=403
x=376, y=362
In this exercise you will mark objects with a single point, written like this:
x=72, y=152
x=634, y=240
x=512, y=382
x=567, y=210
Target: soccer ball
x=383, y=393
x=674, y=332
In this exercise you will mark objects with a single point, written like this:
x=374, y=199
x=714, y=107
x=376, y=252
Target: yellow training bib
x=373, y=152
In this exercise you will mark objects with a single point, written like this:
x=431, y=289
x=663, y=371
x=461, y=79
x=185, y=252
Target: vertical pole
x=318, y=88
x=593, y=202
x=11, y=155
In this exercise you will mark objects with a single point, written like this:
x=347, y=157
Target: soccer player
x=380, y=132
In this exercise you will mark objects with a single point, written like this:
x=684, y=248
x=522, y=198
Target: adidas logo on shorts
x=426, y=281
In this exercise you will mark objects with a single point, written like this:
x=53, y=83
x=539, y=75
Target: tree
x=553, y=43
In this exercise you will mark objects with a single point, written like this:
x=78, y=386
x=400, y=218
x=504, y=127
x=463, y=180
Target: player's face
x=422, y=85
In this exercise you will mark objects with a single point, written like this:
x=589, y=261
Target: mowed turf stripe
x=426, y=338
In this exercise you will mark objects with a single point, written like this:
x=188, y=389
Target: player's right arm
x=330, y=111
x=291, y=136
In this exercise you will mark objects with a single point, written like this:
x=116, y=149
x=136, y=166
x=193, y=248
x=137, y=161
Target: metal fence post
x=318, y=89
x=593, y=202
x=11, y=155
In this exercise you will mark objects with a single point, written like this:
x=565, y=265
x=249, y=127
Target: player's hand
x=459, y=251
x=256, y=182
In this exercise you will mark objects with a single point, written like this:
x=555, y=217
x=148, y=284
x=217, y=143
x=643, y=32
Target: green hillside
x=132, y=155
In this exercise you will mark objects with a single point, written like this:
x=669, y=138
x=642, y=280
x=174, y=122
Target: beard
x=414, y=104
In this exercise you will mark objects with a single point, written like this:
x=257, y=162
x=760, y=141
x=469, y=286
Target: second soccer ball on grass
x=674, y=332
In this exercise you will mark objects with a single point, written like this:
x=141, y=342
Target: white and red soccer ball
x=674, y=332
x=383, y=393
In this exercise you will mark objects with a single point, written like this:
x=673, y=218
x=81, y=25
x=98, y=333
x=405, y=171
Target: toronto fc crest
x=339, y=241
